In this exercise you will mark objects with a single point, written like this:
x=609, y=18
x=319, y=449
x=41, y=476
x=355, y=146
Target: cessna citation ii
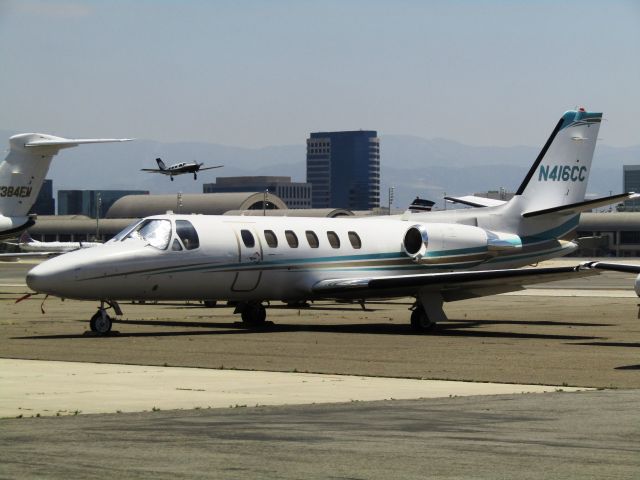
x=22, y=173
x=436, y=256
x=178, y=168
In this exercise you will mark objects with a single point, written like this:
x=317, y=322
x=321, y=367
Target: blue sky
x=257, y=73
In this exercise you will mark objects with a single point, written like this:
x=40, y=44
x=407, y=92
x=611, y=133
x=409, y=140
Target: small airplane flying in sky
x=434, y=256
x=179, y=168
x=34, y=248
x=22, y=173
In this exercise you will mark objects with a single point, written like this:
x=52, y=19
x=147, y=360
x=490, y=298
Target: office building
x=45, y=204
x=294, y=194
x=344, y=169
x=631, y=183
x=91, y=202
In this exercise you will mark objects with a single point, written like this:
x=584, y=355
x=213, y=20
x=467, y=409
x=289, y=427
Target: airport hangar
x=613, y=234
x=130, y=208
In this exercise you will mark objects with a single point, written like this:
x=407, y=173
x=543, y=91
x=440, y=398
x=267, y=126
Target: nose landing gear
x=101, y=322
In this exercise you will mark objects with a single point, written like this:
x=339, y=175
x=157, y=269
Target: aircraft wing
x=452, y=285
x=9, y=257
x=209, y=168
x=154, y=170
x=616, y=267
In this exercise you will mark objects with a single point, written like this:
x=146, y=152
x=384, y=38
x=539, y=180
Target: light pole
x=98, y=205
x=264, y=203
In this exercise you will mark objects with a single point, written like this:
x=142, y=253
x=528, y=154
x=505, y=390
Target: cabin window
x=175, y=246
x=292, y=238
x=156, y=233
x=271, y=238
x=247, y=238
x=334, y=240
x=312, y=238
x=354, y=238
x=187, y=234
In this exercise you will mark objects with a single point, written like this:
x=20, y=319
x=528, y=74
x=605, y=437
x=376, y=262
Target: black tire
x=420, y=322
x=100, y=323
x=92, y=322
x=254, y=314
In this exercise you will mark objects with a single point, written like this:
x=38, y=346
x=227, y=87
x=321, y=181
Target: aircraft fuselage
x=274, y=258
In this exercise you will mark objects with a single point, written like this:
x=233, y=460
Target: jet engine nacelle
x=434, y=242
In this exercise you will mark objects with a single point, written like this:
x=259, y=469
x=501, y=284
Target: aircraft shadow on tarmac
x=629, y=367
x=612, y=344
x=461, y=328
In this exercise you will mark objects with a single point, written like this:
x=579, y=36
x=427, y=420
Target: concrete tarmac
x=590, y=435
x=569, y=338
x=37, y=388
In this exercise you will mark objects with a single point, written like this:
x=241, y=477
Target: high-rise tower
x=344, y=169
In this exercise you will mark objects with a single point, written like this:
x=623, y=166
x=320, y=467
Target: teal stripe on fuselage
x=553, y=233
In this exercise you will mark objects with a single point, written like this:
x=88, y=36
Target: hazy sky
x=256, y=73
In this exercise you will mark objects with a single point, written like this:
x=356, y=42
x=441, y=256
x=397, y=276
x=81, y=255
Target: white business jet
x=22, y=173
x=436, y=256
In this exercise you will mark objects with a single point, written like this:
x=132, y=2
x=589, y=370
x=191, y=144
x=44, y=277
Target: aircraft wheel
x=254, y=314
x=420, y=322
x=100, y=322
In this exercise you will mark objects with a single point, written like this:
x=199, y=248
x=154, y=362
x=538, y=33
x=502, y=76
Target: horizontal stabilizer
x=68, y=142
x=582, y=206
x=476, y=202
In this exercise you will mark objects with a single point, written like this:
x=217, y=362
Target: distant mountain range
x=413, y=165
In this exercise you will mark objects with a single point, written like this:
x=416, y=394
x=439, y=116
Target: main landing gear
x=427, y=312
x=253, y=313
x=101, y=322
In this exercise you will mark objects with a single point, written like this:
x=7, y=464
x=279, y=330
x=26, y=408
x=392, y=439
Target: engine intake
x=455, y=243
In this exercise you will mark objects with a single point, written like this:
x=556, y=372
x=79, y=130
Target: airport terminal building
x=294, y=194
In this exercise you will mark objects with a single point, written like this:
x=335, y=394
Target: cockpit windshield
x=124, y=232
x=155, y=232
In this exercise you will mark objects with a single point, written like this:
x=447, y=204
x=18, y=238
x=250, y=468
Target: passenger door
x=250, y=259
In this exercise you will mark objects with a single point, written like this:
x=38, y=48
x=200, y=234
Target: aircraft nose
x=47, y=278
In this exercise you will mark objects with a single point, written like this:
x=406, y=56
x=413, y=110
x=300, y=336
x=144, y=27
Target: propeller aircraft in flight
x=179, y=168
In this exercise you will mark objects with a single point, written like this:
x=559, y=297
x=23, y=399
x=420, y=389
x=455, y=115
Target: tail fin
x=161, y=164
x=560, y=173
x=24, y=168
